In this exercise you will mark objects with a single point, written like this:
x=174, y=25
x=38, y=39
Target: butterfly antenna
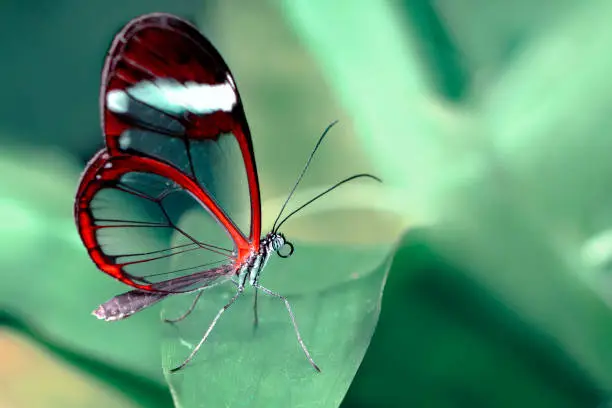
x=329, y=190
x=274, y=227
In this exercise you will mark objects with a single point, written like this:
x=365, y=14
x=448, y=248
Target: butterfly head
x=280, y=245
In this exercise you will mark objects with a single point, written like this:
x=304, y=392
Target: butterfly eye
x=284, y=254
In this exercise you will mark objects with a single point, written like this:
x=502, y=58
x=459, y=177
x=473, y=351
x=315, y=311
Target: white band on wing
x=174, y=97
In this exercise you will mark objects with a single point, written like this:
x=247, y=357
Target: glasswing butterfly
x=177, y=140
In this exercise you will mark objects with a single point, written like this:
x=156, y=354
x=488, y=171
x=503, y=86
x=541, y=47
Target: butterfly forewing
x=168, y=94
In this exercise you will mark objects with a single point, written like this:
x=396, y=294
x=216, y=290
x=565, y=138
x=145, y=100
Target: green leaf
x=335, y=293
x=452, y=342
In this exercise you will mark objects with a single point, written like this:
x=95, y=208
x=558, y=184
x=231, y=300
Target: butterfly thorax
x=254, y=264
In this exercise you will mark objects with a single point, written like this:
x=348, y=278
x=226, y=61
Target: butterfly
x=176, y=139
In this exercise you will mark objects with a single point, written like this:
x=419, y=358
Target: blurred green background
x=488, y=121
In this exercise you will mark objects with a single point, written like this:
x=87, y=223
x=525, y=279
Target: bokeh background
x=488, y=121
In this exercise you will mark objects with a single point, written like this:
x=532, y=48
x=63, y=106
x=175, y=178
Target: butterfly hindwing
x=129, y=213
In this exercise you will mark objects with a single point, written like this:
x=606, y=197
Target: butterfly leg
x=188, y=312
x=210, y=327
x=255, y=317
x=255, y=314
x=295, y=326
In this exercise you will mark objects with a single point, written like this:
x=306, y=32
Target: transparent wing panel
x=155, y=231
x=216, y=164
